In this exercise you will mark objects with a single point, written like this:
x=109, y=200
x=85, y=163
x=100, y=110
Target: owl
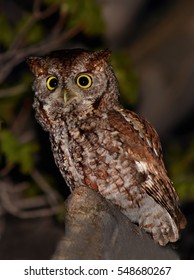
x=98, y=144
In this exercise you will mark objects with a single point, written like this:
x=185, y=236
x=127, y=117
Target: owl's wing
x=162, y=191
x=142, y=143
x=144, y=130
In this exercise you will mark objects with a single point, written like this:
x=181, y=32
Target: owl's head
x=76, y=76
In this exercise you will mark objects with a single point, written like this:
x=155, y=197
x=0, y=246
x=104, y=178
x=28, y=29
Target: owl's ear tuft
x=100, y=59
x=36, y=65
x=104, y=54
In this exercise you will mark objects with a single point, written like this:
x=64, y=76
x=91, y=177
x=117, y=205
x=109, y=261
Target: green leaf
x=185, y=188
x=16, y=152
x=88, y=14
x=6, y=30
x=180, y=165
x=128, y=81
x=35, y=34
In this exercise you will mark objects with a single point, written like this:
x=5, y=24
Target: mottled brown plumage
x=99, y=144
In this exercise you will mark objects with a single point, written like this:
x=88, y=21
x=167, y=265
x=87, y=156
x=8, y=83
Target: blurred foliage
x=181, y=162
x=6, y=31
x=34, y=34
x=16, y=152
x=86, y=13
x=128, y=80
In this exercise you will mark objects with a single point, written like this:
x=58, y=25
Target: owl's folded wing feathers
x=143, y=145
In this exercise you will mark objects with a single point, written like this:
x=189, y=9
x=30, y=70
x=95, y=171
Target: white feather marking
x=142, y=166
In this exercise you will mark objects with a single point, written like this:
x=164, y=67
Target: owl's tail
x=156, y=220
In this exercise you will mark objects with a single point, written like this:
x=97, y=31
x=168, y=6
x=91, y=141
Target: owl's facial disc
x=74, y=87
x=71, y=88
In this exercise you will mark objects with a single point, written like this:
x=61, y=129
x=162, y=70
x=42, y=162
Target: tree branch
x=96, y=229
x=13, y=57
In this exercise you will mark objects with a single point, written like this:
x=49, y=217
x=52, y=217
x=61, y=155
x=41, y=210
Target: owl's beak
x=65, y=96
x=68, y=95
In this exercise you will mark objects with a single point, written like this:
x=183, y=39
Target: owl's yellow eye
x=84, y=81
x=52, y=83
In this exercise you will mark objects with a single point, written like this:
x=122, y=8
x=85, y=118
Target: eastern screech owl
x=99, y=144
